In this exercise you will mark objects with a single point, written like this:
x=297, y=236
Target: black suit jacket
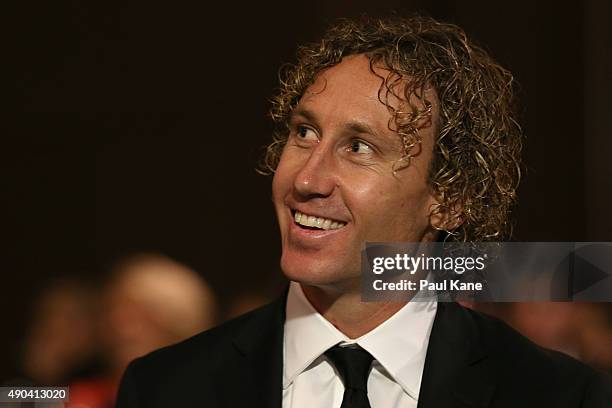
x=472, y=361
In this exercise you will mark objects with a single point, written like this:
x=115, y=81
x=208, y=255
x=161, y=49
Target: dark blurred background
x=136, y=126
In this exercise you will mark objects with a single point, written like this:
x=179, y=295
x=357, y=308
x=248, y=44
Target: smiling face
x=334, y=187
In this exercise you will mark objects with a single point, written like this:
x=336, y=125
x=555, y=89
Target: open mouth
x=311, y=222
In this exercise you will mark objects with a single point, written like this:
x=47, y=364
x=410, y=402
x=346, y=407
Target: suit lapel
x=457, y=371
x=252, y=376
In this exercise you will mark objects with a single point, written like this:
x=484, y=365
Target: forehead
x=350, y=90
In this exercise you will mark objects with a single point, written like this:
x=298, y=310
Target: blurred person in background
x=153, y=301
x=150, y=301
x=62, y=343
x=582, y=330
x=244, y=303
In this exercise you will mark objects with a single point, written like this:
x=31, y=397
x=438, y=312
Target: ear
x=445, y=218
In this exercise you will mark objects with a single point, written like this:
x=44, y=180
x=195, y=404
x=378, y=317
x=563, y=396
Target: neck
x=347, y=312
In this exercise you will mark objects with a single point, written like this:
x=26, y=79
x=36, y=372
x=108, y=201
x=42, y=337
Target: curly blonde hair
x=476, y=167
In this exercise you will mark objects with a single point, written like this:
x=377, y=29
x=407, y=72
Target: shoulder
x=521, y=366
x=191, y=366
x=507, y=345
x=210, y=346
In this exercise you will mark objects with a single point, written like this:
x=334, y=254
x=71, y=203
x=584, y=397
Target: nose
x=316, y=178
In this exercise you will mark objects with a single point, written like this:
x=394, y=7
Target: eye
x=306, y=133
x=357, y=146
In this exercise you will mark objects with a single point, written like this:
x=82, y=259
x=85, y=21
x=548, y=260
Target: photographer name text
x=424, y=284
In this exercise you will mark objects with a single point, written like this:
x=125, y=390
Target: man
x=395, y=130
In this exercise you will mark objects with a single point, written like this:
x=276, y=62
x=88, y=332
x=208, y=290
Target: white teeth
x=312, y=220
x=318, y=222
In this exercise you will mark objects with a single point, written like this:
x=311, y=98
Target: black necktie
x=353, y=365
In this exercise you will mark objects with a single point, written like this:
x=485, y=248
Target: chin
x=316, y=272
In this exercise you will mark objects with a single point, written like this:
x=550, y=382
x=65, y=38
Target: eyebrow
x=305, y=113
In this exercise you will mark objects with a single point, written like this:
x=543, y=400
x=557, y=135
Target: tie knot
x=353, y=365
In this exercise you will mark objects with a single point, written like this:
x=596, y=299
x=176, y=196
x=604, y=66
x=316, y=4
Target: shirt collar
x=307, y=334
x=399, y=344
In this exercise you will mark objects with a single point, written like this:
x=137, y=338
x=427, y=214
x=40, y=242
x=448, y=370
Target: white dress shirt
x=399, y=346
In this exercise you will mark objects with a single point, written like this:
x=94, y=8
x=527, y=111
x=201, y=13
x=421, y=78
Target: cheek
x=373, y=203
x=277, y=183
x=392, y=207
x=282, y=178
